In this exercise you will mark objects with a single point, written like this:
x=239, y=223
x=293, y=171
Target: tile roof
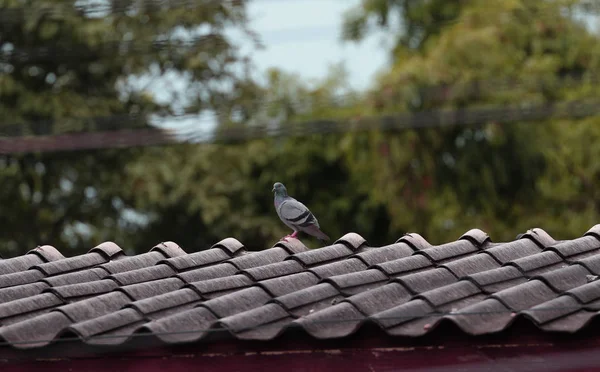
x=408, y=288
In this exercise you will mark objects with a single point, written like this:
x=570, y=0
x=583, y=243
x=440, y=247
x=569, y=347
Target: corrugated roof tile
x=273, y=270
x=339, y=320
x=407, y=288
x=108, y=250
x=289, y=283
x=186, y=326
x=507, y=252
x=594, y=231
x=539, y=236
x=237, y=302
x=94, y=307
x=347, y=266
x=393, y=319
x=47, y=253
x=497, y=279
x=487, y=316
x=231, y=245
x=471, y=265
x=563, y=279
x=380, y=299
x=576, y=248
x=260, y=258
x=206, y=273
x=441, y=253
x=373, y=256
x=70, y=264
x=20, y=278
x=14, y=265
x=525, y=295
x=142, y=275
x=23, y=308
x=132, y=263
x=21, y=291
x=478, y=237
x=538, y=263
x=322, y=255
x=168, y=249
x=352, y=241
x=292, y=246
x=352, y=283
x=591, y=263
x=197, y=259
x=414, y=327
x=35, y=332
x=426, y=280
x=586, y=293
x=76, y=277
x=570, y=323
x=114, y=321
x=219, y=286
x=405, y=266
x=174, y=299
x=261, y=323
x=438, y=297
x=143, y=290
x=416, y=241
x=551, y=310
x=308, y=300
x=72, y=292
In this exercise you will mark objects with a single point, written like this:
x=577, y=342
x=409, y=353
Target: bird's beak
x=273, y=190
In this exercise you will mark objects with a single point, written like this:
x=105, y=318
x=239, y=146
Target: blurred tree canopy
x=491, y=176
x=440, y=182
x=68, y=66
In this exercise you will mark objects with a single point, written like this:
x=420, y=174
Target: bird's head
x=279, y=189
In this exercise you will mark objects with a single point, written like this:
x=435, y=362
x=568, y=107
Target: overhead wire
x=392, y=122
x=189, y=132
x=309, y=104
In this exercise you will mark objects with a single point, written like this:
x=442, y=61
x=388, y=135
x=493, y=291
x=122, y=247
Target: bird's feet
x=293, y=235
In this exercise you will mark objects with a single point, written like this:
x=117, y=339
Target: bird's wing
x=296, y=213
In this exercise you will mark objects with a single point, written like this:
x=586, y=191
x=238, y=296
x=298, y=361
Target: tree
x=201, y=194
x=497, y=177
x=411, y=22
x=72, y=66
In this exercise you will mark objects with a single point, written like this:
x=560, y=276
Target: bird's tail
x=317, y=233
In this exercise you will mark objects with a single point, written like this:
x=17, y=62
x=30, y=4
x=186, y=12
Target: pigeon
x=295, y=214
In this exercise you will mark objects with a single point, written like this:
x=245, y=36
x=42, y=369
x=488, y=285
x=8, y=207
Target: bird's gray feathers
x=295, y=214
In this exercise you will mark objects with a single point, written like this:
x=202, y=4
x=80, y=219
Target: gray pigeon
x=295, y=214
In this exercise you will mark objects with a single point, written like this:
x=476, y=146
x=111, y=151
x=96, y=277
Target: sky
x=303, y=36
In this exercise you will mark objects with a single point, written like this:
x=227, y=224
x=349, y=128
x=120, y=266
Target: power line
x=86, y=141
x=122, y=48
x=419, y=120
x=437, y=93
x=103, y=8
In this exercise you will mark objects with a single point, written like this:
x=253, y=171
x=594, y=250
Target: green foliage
x=439, y=182
x=64, y=67
x=415, y=21
x=498, y=178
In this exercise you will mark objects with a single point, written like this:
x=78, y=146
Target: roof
x=408, y=288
